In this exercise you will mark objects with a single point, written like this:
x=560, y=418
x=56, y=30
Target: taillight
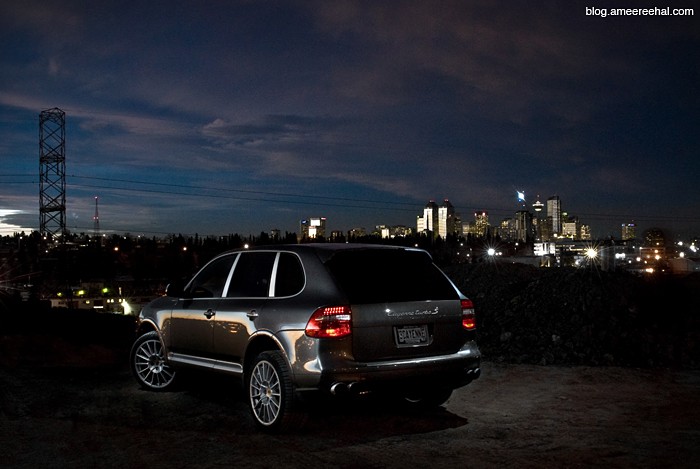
x=330, y=321
x=468, y=316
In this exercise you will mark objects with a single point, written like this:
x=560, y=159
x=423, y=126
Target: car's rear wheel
x=148, y=363
x=271, y=393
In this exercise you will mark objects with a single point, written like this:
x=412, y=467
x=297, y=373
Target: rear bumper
x=448, y=371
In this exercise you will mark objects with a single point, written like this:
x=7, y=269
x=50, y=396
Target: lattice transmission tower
x=52, y=173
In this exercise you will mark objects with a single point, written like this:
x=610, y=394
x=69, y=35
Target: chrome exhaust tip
x=338, y=388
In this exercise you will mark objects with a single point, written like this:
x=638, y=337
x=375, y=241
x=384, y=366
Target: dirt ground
x=68, y=405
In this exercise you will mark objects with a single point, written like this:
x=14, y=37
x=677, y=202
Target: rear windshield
x=378, y=276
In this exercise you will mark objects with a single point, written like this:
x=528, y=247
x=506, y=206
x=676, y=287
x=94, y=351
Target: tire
x=148, y=364
x=271, y=393
x=427, y=399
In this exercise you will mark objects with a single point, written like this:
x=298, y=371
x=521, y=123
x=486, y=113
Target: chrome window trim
x=224, y=292
x=273, y=276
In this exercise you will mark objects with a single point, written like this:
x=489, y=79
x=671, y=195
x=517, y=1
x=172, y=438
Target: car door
x=248, y=291
x=194, y=315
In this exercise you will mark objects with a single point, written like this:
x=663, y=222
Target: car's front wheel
x=271, y=393
x=148, y=363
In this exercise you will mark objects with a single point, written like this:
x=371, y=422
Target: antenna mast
x=96, y=220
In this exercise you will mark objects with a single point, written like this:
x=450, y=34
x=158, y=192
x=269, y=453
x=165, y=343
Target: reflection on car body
x=295, y=319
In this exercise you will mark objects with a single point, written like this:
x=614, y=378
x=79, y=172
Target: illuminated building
x=570, y=229
x=537, y=206
x=428, y=223
x=357, y=233
x=439, y=220
x=313, y=227
x=481, y=223
x=628, y=231
x=554, y=215
x=585, y=232
x=400, y=231
x=507, y=229
x=537, y=221
x=446, y=219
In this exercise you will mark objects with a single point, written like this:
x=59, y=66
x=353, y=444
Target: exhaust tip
x=338, y=388
x=474, y=372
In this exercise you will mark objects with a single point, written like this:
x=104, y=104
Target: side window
x=210, y=281
x=251, y=277
x=290, y=275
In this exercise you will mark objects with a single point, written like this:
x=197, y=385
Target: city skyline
x=212, y=118
x=543, y=224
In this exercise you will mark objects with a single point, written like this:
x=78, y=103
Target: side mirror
x=175, y=289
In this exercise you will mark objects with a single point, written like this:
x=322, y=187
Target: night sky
x=218, y=117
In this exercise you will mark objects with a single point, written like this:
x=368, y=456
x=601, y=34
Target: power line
x=232, y=197
x=244, y=191
x=318, y=200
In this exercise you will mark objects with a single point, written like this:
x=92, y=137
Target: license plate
x=411, y=336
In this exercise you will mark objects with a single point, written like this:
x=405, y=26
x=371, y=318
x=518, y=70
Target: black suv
x=335, y=318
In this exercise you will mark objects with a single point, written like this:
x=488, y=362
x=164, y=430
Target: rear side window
x=251, y=276
x=377, y=276
x=290, y=275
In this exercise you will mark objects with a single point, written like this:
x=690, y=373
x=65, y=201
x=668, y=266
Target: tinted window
x=251, y=277
x=290, y=275
x=210, y=281
x=377, y=276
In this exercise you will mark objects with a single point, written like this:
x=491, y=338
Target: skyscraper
x=429, y=222
x=313, y=227
x=539, y=225
x=523, y=226
x=481, y=221
x=446, y=219
x=439, y=220
x=554, y=215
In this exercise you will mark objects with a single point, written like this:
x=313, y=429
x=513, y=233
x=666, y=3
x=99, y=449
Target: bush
x=581, y=316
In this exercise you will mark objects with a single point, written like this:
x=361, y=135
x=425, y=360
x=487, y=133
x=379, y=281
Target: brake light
x=468, y=316
x=330, y=321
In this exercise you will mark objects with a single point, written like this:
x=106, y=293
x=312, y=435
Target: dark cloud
x=396, y=102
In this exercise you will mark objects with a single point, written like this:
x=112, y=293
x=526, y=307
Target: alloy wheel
x=265, y=392
x=150, y=366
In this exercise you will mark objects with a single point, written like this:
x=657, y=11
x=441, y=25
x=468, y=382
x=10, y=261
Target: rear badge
x=417, y=312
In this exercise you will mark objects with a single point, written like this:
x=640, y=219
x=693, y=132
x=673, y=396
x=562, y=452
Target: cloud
x=403, y=100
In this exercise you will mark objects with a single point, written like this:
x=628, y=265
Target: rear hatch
x=402, y=305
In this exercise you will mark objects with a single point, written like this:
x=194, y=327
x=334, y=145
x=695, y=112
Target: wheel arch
x=261, y=342
x=145, y=326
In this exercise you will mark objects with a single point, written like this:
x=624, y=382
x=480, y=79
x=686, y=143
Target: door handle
x=252, y=314
x=209, y=313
